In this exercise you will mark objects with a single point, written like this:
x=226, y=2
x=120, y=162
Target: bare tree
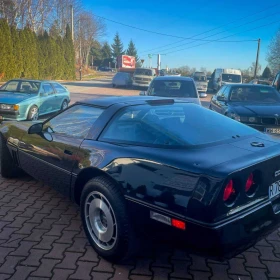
x=273, y=55
x=88, y=30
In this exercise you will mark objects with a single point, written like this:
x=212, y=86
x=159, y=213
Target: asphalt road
x=82, y=90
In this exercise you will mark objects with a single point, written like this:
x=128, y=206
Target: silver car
x=122, y=79
x=175, y=87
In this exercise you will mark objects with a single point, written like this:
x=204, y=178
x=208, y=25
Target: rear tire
x=105, y=219
x=7, y=166
x=33, y=113
x=64, y=105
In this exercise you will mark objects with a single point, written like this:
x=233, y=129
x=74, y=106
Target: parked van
x=221, y=77
x=201, y=83
x=276, y=81
x=142, y=77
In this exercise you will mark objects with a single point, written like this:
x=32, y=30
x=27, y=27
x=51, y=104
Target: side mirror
x=220, y=98
x=142, y=93
x=35, y=128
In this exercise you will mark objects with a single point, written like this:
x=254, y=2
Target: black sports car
x=162, y=167
x=255, y=105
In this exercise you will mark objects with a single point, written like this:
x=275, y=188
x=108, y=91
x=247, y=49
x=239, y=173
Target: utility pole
x=257, y=59
x=158, y=62
x=72, y=22
x=80, y=43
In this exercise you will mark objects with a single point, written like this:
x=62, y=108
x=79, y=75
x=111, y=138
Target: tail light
x=252, y=183
x=249, y=183
x=230, y=193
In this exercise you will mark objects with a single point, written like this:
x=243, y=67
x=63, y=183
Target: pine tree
x=69, y=55
x=17, y=54
x=106, y=54
x=6, y=48
x=95, y=53
x=131, y=50
x=266, y=73
x=117, y=46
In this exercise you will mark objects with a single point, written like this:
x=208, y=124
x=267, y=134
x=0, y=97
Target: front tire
x=7, y=166
x=33, y=113
x=105, y=219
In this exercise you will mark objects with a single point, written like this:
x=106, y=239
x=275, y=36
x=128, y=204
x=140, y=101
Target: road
x=41, y=236
x=82, y=90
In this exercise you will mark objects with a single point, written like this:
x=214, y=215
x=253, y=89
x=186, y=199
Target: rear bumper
x=224, y=240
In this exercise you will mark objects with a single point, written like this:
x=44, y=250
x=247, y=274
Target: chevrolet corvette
x=153, y=166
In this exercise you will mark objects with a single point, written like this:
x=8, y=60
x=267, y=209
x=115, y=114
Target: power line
x=226, y=36
x=212, y=29
x=223, y=32
x=149, y=31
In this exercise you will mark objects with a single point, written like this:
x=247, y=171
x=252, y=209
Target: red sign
x=126, y=61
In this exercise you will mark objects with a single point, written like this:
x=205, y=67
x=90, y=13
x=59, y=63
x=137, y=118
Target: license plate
x=272, y=130
x=274, y=190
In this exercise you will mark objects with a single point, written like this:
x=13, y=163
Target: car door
x=59, y=94
x=215, y=103
x=47, y=99
x=51, y=155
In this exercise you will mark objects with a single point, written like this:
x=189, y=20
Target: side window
x=48, y=88
x=277, y=82
x=11, y=86
x=220, y=92
x=149, y=91
x=225, y=93
x=58, y=88
x=74, y=122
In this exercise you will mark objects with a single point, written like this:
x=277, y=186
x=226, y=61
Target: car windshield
x=232, y=78
x=21, y=86
x=199, y=78
x=261, y=94
x=173, y=88
x=144, y=72
x=178, y=124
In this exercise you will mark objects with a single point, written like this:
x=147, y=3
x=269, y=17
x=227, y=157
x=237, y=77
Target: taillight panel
x=230, y=193
x=253, y=182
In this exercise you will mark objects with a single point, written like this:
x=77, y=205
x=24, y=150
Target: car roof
x=31, y=80
x=132, y=100
x=248, y=85
x=177, y=78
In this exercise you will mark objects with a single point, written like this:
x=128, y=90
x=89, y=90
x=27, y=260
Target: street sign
x=142, y=61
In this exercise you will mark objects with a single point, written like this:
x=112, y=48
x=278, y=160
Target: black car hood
x=256, y=109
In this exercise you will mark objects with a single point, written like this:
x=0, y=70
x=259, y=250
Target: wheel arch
x=29, y=107
x=83, y=177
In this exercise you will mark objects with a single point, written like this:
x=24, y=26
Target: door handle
x=67, y=152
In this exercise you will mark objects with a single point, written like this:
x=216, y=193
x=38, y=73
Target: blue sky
x=188, y=18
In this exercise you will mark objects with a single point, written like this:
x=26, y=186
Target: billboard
x=126, y=61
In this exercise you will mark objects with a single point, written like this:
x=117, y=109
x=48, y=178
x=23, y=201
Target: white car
x=122, y=79
x=182, y=88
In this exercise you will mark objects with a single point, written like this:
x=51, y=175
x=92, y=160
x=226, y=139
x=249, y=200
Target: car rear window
x=173, y=125
x=173, y=88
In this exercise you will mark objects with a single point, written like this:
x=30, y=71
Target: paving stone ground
x=41, y=237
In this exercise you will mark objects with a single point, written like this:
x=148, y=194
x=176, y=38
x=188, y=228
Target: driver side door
x=51, y=155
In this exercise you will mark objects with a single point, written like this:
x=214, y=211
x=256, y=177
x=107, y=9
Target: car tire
x=33, y=113
x=105, y=219
x=64, y=105
x=8, y=168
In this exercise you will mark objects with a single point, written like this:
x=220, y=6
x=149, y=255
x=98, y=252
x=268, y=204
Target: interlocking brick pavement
x=41, y=237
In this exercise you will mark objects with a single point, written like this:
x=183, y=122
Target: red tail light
x=249, y=182
x=229, y=191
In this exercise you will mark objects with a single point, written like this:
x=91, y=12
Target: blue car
x=29, y=99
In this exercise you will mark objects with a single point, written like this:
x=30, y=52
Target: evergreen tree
x=69, y=55
x=266, y=73
x=95, y=53
x=17, y=54
x=131, y=50
x=6, y=49
x=117, y=46
x=106, y=54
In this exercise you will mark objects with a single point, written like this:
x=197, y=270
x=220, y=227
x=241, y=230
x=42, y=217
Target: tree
x=117, y=46
x=252, y=69
x=95, y=53
x=106, y=54
x=273, y=54
x=69, y=54
x=17, y=54
x=266, y=73
x=6, y=46
x=131, y=50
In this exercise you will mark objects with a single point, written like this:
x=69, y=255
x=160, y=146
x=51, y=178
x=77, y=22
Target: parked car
x=174, y=87
x=201, y=83
x=156, y=167
x=105, y=69
x=255, y=105
x=29, y=99
x=122, y=79
x=260, y=82
x=142, y=77
x=276, y=82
